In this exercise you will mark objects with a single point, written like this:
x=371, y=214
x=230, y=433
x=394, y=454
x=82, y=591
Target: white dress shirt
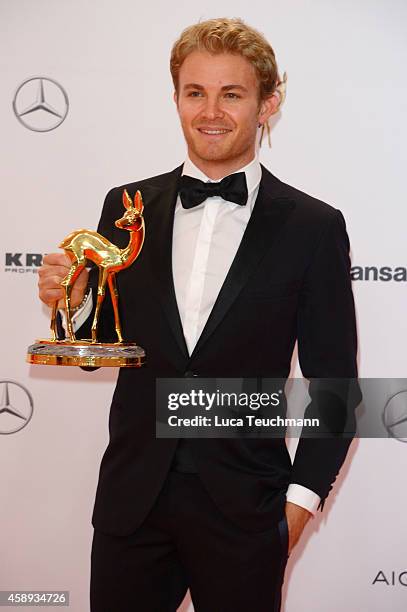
x=205, y=241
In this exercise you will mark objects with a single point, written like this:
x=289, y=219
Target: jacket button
x=189, y=374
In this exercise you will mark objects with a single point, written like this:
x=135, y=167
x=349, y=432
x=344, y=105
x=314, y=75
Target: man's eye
x=195, y=94
x=232, y=95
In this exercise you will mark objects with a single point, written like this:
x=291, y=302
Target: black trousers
x=186, y=542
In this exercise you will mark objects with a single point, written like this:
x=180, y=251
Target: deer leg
x=53, y=321
x=100, y=297
x=67, y=285
x=71, y=334
x=111, y=279
x=74, y=271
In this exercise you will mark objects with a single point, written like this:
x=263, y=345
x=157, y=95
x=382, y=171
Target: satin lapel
x=270, y=212
x=159, y=220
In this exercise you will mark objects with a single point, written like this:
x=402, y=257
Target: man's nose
x=213, y=109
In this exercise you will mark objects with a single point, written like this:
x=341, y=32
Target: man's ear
x=175, y=98
x=268, y=107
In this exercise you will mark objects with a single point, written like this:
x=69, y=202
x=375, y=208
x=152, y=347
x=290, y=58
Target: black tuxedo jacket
x=290, y=279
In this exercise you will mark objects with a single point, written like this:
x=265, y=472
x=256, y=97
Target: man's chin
x=212, y=154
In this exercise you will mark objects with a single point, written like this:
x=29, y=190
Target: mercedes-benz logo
x=395, y=416
x=16, y=406
x=40, y=104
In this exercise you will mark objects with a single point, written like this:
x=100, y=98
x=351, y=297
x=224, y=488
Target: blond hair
x=228, y=36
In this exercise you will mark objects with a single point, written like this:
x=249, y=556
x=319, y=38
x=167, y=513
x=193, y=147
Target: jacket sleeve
x=327, y=350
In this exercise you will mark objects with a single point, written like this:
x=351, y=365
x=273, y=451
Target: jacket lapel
x=159, y=220
x=270, y=212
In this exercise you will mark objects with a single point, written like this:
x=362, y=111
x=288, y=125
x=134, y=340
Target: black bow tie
x=232, y=188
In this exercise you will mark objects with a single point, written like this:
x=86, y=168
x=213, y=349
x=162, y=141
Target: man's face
x=219, y=108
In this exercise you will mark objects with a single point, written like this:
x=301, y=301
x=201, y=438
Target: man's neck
x=219, y=169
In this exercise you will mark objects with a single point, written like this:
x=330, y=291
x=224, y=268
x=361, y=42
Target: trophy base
x=85, y=353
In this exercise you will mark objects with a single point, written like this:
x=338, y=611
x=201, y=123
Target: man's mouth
x=213, y=131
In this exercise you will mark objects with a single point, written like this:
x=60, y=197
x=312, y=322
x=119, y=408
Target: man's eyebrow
x=224, y=88
x=240, y=87
x=193, y=86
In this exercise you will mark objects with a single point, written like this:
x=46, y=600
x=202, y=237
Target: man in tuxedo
x=236, y=267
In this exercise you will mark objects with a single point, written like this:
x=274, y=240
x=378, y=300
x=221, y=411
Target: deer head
x=132, y=219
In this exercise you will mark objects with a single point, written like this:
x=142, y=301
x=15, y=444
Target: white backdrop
x=341, y=137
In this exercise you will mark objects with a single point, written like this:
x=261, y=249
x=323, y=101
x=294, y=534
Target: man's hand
x=297, y=518
x=54, y=268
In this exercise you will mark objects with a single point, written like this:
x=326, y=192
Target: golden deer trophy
x=81, y=247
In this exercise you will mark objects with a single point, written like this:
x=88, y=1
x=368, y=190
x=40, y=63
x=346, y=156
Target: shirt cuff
x=297, y=494
x=79, y=317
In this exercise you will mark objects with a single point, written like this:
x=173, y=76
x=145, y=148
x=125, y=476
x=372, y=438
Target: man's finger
x=57, y=259
x=50, y=296
x=55, y=270
x=50, y=282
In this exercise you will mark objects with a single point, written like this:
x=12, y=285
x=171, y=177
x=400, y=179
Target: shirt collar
x=252, y=171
